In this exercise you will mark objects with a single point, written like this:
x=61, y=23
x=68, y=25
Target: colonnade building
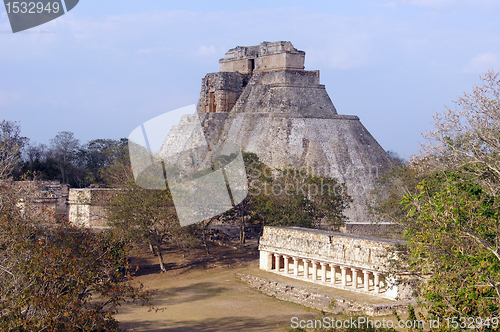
x=351, y=262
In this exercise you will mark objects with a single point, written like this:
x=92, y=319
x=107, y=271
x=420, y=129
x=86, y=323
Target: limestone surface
x=265, y=102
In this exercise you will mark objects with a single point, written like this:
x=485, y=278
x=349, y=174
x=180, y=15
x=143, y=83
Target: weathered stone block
x=362, y=260
x=87, y=206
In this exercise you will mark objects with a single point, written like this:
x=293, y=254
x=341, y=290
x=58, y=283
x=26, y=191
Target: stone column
x=323, y=271
x=354, y=278
x=391, y=290
x=295, y=266
x=266, y=260
x=366, y=279
x=306, y=268
x=277, y=262
x=344, y=275
x=377, y=282
x=333, y=273
x=315, y=270
x=286, y=264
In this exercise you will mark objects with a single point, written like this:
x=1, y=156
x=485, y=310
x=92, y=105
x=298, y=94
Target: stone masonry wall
x=344, y=249
x=87, y=206
x=263, y=57
x=321, y=301
x=46, y=200
x=220, y=91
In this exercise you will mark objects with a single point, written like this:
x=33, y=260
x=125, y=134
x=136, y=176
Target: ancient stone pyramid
x=264, y=101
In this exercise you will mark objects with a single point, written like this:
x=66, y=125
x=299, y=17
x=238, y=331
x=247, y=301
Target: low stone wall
x=369, y=229
x=320, y=301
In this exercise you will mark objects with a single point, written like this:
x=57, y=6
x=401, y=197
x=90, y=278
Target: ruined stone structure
x=50, y=201
x=323, y=301
x=264, y=101
x=86, y=206
x=44, y=200
x=350, y=262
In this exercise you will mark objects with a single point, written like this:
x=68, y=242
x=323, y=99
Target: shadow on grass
x=179, y=295
x=208, y=325
x=194, y=292
x=197, y=259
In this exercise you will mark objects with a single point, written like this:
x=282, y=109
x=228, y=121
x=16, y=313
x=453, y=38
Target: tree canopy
x=146, y=216
x=446, y=199
x=293, y=197
x=58, y=277
x=11, y=145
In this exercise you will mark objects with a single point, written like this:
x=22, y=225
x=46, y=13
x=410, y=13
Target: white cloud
x=439, y=4
x=343, y=54
x=145, y=51
x=152, y=50
x=482, y=62
x=11, y=97
x=336, y=42
x=429, y=3
x=206, y=50
x=390, y=5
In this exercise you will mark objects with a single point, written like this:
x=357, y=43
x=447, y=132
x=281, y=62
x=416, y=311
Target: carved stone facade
x=44, y=200
x=266, y=56
x=50, y=201
x=350, y=262
x=220, y=91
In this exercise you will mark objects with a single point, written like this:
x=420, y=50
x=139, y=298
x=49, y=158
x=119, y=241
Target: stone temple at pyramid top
x=263, y=57
x=263, y=101
x=278, y=66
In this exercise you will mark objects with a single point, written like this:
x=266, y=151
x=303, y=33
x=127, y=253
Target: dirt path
x=202, y=293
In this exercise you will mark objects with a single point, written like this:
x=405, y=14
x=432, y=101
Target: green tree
x=453, y=238
x=146, y=216
x=98, y=155
x=117, y=171
x=469, y=135
x=446, y=199
x=293, y=197
x=92, y=164
x=59, y=277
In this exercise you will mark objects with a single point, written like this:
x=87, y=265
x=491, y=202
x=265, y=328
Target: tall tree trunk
x=205, y=224
x=151, y=248
x=160, y=259
x=204, y=237
x=242, y=225
x=63, y=176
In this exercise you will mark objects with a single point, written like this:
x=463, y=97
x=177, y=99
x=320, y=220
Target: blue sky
x=108, y=66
